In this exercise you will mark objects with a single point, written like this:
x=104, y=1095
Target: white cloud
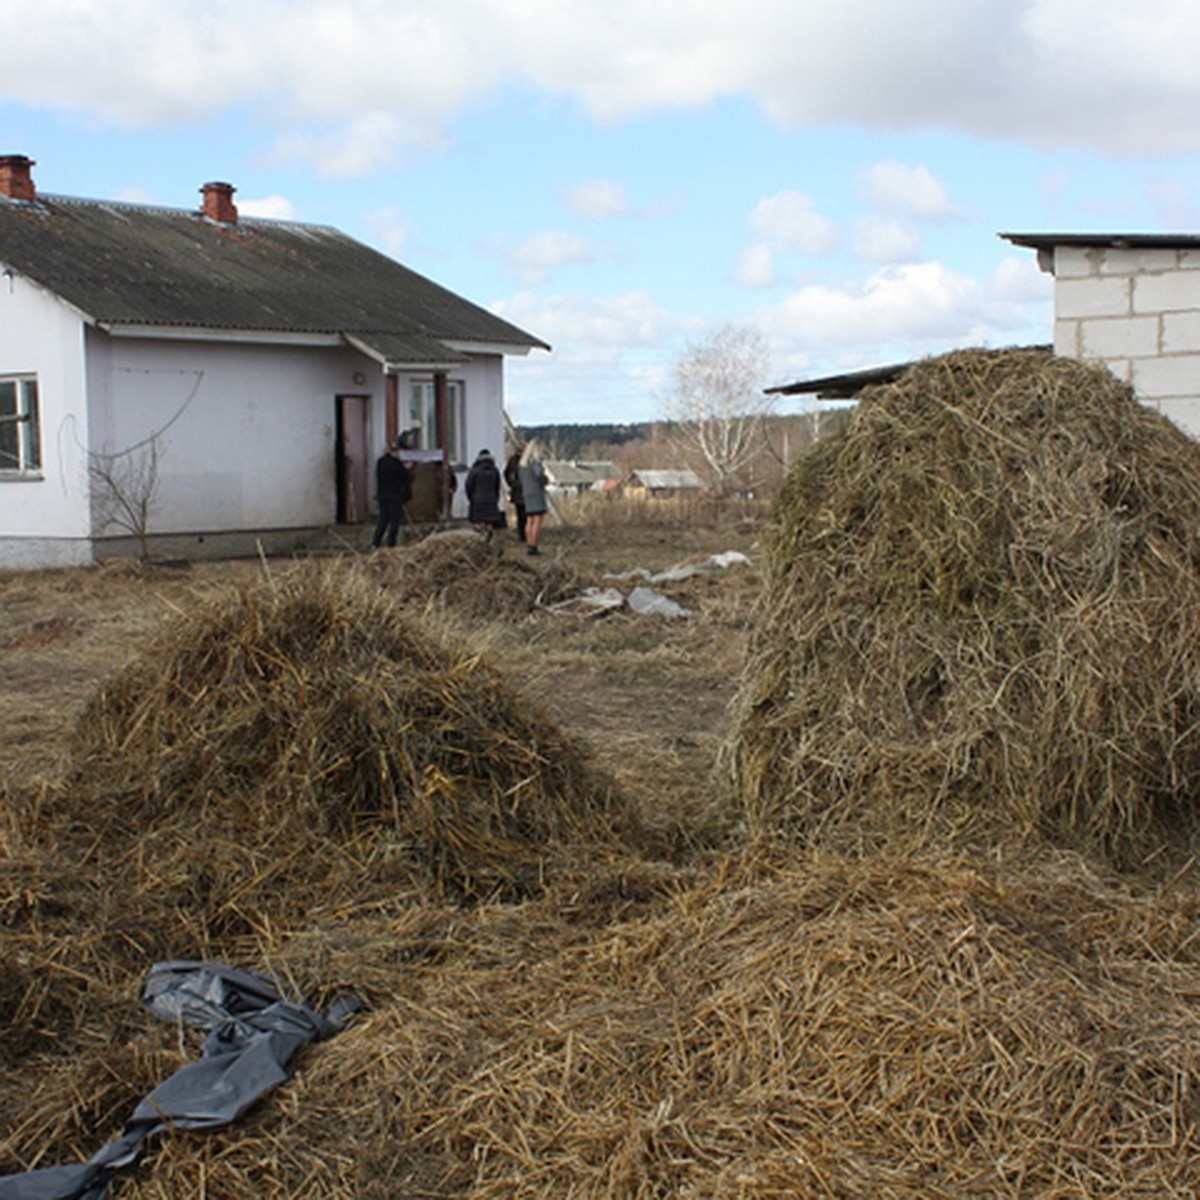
x=913, y=309
x=389, y=230
x=611, y=355
x=756, y=267
x=133, y=195
x=1104, y=74
x=1019, y=280
x=886, y=240
x=278, y=208
x=598, y=198
x=576, y=322
x=364, y=144
x=533, y=258
x=913, y=191
x=788, y=221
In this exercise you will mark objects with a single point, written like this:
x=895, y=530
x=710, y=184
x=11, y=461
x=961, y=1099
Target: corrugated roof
x=127, y=264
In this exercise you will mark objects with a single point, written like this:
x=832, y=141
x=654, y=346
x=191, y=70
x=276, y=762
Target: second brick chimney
x=16, y=181
x=218, y=203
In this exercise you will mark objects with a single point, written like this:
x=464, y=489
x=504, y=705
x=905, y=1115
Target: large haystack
x=820, y=1027
x=981, y=604
x=302, y=743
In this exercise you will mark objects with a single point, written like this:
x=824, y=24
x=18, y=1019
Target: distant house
x=1132, y=302
x=574, y=477
x=662, y=484
x=259, y=367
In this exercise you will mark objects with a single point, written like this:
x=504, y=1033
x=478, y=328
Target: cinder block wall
x=1138, y=311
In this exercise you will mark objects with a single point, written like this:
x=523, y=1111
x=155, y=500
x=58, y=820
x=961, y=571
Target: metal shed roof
x=846, y=386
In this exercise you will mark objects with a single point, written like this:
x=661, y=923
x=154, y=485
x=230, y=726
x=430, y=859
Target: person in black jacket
x=516, y=497
x=482, y=487
x=393, y=489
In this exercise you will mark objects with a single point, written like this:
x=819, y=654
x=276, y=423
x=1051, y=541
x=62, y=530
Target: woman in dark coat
x=483, y=492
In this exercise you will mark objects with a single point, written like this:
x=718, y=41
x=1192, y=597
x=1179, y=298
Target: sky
x=623, y=178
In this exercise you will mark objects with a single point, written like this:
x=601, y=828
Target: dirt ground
x=647, y=693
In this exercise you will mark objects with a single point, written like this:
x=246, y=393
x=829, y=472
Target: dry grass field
x=872, y=879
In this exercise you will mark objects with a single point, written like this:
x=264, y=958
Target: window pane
x=419, y=414
x=414, y=408
x=458, y=449
x=33, y=447
x=8, y=447
x=10, y=428
x=20, y=435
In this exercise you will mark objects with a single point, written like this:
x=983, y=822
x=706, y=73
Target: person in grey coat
x=533, y=489
x=482, y=487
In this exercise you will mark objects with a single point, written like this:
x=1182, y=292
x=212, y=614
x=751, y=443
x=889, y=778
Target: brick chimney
x=218, y=203
x=16, y=182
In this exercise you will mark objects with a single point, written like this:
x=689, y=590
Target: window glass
x=9, y=429
x=33, y=455
x=422, y=416
x=20, y=433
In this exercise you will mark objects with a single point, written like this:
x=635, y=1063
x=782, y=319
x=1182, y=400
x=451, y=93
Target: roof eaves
x=220, y=333
x=1116, y=241
x=481, y=347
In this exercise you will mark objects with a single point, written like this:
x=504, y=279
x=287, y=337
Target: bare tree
x=124, y=488
x=718, y=404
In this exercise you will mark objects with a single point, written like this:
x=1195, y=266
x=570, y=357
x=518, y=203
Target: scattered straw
x=474, y=577
x=814, y=1027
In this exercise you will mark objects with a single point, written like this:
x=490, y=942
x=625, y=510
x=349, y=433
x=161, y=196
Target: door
x=353, y=461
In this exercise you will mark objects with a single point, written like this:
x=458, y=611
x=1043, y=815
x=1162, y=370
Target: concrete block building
x=1131, y=301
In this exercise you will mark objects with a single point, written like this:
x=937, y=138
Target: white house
x=259, y=367
x=1131, y=301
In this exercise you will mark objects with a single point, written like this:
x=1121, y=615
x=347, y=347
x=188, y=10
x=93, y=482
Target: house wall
x=1137, y=311
x=44, y=519
x=245, y=433
x=484, y=385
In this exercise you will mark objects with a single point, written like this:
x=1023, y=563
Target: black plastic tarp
x=253, y=1033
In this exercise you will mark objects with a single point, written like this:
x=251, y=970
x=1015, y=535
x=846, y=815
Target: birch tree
x=718, y=406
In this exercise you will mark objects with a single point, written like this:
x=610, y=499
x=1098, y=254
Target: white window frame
x=20, y=427
x=422, y=416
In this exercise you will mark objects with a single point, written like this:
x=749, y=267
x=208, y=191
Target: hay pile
x=813, y=1027
x=462, y=572
x=300, y=746
x=981, y=604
